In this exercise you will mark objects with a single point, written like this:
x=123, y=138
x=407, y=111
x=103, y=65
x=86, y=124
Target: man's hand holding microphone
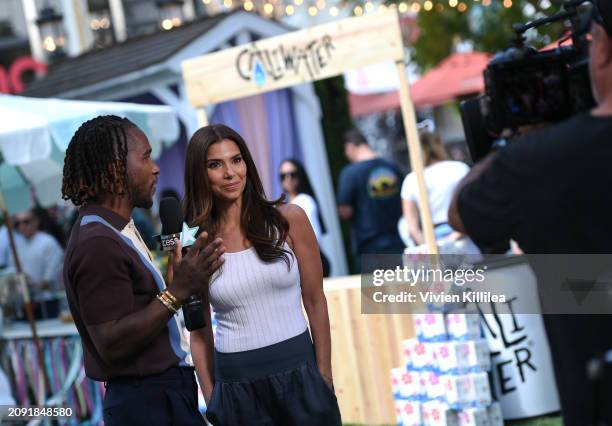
x=190, y=274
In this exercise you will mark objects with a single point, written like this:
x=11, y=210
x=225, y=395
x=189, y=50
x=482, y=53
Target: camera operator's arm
x=454, y=219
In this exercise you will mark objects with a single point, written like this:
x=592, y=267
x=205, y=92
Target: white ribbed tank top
x=256, y=304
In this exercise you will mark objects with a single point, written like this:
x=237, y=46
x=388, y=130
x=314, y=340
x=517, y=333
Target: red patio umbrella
x=458, y=75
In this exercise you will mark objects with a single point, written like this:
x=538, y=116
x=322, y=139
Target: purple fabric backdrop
x=283, y=135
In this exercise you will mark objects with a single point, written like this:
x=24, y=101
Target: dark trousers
x=169, y=398
x=277, y=385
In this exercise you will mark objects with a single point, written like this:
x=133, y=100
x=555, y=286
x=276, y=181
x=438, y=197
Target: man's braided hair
x=96, y=160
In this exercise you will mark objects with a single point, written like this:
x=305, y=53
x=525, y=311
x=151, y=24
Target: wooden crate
x=364, y=350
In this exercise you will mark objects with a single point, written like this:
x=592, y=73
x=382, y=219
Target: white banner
x=523, y=375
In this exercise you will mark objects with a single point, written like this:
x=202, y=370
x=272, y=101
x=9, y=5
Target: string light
x=50, y=45
x=166, y=25
x=403, y=7
x=206, y=1
x=507, y=4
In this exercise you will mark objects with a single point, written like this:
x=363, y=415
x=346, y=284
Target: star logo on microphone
x=188, y=235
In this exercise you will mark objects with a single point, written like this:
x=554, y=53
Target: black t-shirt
x=372, y=188
x=551, y=192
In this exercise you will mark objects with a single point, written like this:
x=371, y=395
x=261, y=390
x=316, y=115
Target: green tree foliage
x=439, y=32
x=336, y=120
x=488, y=28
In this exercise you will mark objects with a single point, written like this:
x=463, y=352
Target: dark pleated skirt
x=278, y=385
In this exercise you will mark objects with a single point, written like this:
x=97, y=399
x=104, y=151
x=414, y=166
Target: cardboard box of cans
x=436, y=413
x=448, y=356
x=462, y=390
x=433, y=327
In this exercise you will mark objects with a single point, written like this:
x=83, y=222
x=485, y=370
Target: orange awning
x=458, y=75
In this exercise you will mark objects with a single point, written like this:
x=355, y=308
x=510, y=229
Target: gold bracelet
x=167, y=303
x=171, y=298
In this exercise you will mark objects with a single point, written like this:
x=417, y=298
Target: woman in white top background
x=296, y=184
x=261, y=366
x=441, y=178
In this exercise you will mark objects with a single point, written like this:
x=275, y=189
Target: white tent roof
x=34, y=134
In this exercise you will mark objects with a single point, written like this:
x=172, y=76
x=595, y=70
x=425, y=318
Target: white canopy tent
x=34, y=134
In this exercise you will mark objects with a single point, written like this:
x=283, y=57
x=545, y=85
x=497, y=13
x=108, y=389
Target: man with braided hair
x=122, y=308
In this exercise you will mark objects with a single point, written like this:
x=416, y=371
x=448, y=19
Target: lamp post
x=51, y=30
x=170, y=13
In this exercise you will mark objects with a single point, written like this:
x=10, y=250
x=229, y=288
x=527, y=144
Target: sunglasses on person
x=292, y=175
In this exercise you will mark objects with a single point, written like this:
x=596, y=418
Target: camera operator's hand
x=190, y=274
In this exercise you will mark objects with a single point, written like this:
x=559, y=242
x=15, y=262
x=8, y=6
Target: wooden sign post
x=308, y=55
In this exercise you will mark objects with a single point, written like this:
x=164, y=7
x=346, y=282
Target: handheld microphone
x=172, y=222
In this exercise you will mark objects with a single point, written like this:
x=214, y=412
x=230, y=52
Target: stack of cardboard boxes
x=445, y=378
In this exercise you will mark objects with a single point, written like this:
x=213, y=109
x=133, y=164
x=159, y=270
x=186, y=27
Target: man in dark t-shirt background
x=369, y=196
x=550, y=192
x=124, y=312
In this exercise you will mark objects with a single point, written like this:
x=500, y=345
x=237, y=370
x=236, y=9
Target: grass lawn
x=540, y=421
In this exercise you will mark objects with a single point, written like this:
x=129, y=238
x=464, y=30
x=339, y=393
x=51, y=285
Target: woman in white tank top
x=261, y=367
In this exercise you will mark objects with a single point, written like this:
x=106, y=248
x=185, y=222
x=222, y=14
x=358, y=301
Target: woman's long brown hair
x=261, y=221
